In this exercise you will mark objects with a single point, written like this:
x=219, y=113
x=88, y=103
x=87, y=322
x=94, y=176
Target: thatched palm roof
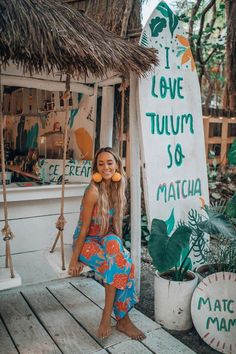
x=45, y=35
x=110, y=14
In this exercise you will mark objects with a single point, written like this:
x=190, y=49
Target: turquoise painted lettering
x=152, y=121
x=185, y=120
x=168, y=125
x=153, y=86
x=180, y=88
x=83, y=171
x=168, y=87
x=177, y=188
x=228, y=306
x=217, y=306
x=167, y=58
x=161, y=127
x=198, y=187
x=171, y=193
x=231, y=323
x=161, y=189
x=89, y=171
x=223, y=325
x=170, y=156
x=72, y=170
x=184, y=195
x=174, y=129
x=212, y=320
x=190, y=188
x=179, y=156
x=202, y=301
x=78, y=170
x=53, y=170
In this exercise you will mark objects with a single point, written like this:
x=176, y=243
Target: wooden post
x=122, y=90
x=135, y=188
x=95, y=99
x=206, y=124
x=6, y=231
x=224, y=141
x=107, y=116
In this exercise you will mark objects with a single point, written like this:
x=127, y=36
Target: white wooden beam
x=107, y=116
x=43, y=84
x=135, y=188
x=111, y=81
x=57, y=76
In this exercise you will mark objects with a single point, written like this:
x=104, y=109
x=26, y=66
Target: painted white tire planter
x=213, y=311
x=172, y=302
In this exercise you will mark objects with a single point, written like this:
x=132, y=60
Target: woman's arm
x=89, y=201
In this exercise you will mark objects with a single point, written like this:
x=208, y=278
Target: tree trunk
x=229, y=100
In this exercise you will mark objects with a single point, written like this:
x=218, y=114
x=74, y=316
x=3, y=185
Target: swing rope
x=60, y=224
x=6, y=231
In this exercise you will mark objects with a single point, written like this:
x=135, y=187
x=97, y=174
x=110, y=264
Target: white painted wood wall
x=107, y=116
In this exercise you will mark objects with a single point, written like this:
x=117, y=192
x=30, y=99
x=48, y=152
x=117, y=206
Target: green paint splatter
x=72, y=116
x=170, y=222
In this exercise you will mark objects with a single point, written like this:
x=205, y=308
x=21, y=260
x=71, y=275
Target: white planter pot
x=173, y=302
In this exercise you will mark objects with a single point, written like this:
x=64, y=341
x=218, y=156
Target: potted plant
x=220, y=257
x=174, y=283
x=221, y=253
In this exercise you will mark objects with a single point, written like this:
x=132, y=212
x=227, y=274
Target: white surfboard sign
x=170, y=121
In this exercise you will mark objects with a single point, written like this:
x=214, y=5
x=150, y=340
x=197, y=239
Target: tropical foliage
x=166, y=252
x=211, y=27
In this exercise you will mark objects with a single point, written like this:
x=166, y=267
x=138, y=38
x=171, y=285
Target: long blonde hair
x=117, y=194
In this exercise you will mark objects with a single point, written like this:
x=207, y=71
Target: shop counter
x=33, y=211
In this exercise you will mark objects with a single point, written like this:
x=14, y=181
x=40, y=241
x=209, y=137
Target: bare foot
x=126, y=326
x=104, y=329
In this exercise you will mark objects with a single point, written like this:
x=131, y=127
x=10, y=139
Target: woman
x=97, y=242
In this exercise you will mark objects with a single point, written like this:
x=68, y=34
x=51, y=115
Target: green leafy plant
x=126, y=231
x=167, y=251
x=221, y=256
x=230, y=208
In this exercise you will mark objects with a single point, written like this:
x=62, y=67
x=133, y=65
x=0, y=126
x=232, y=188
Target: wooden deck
x=62, y=316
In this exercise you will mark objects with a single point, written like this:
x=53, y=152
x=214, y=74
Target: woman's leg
x=120, y=274
x=105, y=325
x=92, y=254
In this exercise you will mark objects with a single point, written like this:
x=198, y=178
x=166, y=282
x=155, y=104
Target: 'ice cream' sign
x=171, y=124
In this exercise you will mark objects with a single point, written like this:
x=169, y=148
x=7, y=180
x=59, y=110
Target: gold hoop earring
x=116, y=177
x=97, y=177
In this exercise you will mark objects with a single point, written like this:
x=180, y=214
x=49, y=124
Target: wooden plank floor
x=62, y=316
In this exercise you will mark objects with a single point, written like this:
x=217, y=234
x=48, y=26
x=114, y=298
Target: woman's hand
x=75, y=268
